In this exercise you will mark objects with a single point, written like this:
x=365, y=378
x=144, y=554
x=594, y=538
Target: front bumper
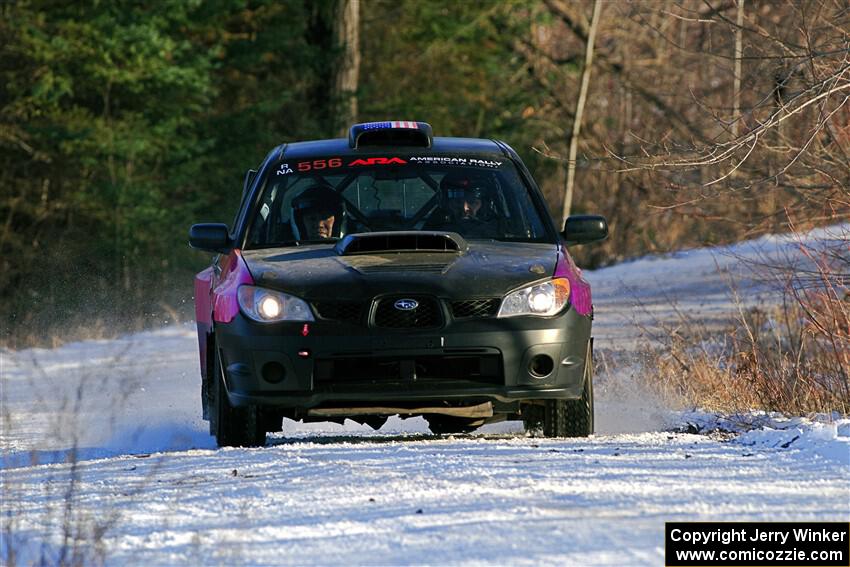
x=471, y=361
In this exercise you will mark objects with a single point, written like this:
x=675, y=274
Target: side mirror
x=212, y=237
x=582, y=229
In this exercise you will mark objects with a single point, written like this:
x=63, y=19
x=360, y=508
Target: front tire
x=232, y=426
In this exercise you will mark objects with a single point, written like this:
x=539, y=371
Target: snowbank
x=816, y=437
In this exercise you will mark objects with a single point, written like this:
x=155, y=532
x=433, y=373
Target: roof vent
x=403, y=241
x=404, y=133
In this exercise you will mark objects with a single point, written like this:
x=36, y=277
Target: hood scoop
x=407, y=241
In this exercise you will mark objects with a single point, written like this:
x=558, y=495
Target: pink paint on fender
x=579, y=288
x=215, y=298
x=234, y=272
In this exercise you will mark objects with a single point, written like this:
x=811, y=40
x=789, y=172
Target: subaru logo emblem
x=406, y=304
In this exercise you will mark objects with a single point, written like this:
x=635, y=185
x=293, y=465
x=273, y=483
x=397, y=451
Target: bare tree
x=348, y=71
x=739, y=50
x=579, y=112
x=693, y=133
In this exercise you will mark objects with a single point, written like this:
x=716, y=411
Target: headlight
x=543, y=299
x=267, y=306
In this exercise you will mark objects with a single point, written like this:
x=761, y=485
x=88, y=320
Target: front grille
x=348, y=311
x=475, y=308
x=426, y=315
x=482, y=368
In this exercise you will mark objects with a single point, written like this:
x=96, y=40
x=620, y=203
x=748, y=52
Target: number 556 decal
x=319, y=164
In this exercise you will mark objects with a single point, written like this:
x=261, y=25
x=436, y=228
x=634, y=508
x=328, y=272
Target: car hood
x=485, y=269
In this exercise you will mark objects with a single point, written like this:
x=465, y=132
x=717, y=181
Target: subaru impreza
x=394, y=273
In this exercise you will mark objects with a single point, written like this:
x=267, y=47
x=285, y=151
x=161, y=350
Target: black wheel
x=232, y=426
x=446, y=424
x=564, y=418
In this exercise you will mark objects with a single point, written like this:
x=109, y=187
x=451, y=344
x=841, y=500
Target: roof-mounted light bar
x=394, y=133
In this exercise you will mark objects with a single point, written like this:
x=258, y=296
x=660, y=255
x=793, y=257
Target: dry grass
x=792, y=357
x=752, y=366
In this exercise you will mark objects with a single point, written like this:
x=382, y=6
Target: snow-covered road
x=146, y=471
x=392, y=500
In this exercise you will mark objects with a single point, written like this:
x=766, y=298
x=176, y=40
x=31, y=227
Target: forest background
x=122, y=123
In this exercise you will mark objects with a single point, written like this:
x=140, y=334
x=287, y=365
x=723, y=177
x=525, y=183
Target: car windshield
x=323, y=199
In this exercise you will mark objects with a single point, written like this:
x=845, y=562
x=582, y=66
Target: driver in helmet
x=317, y=213
x=466, y=206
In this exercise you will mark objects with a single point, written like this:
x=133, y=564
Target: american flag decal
x=376, y=125
x=386, y=125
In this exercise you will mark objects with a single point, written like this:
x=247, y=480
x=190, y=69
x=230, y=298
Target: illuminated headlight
x=267, y=306
x=543, y=299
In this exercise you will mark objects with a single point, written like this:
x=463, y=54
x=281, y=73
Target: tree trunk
x=739, y=51
x=348, y=70
x=585, y=82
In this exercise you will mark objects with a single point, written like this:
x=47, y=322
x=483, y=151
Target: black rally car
x=394, y=273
